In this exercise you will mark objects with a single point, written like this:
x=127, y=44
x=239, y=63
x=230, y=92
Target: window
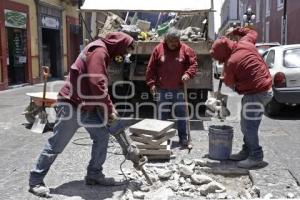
x=257, y=10
x=267, y=31
x=280, y=4
x=270, y=59
x=291, y=58
x=268, y=7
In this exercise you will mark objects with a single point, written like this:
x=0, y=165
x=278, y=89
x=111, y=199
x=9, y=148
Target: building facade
x=229, y=15
x=36, y=33
x=269, y=21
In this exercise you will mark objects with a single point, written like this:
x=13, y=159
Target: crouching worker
x=172, y=63
x=83, y=102
x=247, y=74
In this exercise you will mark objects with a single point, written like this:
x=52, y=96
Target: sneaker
x=249, y=163
x=40, y=190
x=242, y=155
x=101, y=180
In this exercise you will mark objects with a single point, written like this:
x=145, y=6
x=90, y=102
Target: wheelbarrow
x=35, y=113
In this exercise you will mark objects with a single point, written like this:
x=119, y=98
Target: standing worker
x=84, y=101
x=172, y=63
x=246, y=73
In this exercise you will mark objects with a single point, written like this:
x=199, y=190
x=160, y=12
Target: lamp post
x=249, y=17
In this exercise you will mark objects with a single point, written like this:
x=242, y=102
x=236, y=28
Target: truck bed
x=200, y=47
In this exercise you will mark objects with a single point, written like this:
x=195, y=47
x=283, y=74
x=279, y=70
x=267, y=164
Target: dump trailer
x=127, y=83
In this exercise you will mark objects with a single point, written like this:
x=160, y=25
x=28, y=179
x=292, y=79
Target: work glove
x=185, y=77
x=153, y=90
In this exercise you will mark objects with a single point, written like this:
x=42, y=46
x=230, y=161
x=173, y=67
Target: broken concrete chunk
x=187, y=161
x=173, y=185
x=200, y=179
x=164, y=174
x=268, y=196
x=290, y=195
x=181, y=180
x=212, y=187
x=244, y=194
x=222, y=196
x=145, y=188
x=185, y=171
x=138, y=195
x=255, y=191
x=200, y=162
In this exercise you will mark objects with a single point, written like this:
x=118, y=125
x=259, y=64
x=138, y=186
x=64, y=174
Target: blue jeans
x=64, y=129
x=171, y=104
x=251, y=116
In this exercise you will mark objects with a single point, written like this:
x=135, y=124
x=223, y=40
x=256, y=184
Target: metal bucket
x=220, y=142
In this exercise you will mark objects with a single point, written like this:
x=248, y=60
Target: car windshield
x=262, y=49
x=291, y=58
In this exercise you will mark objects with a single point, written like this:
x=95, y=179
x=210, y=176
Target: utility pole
x=284, y=24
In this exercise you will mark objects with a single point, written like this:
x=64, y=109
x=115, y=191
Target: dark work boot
x=101, y=180
x=242, y=155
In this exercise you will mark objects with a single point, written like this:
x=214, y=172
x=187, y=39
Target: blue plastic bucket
x=220, y=142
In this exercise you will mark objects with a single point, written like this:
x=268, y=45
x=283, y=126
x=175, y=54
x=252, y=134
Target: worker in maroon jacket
x=172, y=62
x=247, y=74
x=84, y=102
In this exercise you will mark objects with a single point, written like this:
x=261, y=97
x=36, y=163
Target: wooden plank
x=151, y=127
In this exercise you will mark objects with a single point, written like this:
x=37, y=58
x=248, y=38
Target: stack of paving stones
x=152, y=137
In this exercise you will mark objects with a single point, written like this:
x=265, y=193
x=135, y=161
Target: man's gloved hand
x=153, y=90
x=113, y=117
x=185, y=77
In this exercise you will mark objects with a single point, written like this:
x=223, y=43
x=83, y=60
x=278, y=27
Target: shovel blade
x=39, y=124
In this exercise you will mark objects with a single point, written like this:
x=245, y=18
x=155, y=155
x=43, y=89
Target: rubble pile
x=187, y=179
x=141, y=29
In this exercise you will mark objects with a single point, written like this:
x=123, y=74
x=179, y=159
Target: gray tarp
x=146, y=5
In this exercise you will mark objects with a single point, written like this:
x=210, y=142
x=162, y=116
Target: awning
x=147, y=5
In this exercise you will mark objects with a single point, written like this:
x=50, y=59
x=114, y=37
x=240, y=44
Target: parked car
x=262, y=47
x=284, y=65
x=218, y=69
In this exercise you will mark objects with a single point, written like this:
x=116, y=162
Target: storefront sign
x=50, y=22
x=22, y=59
x=15, y=19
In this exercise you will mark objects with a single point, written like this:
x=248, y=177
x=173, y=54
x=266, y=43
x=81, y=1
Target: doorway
x=17, y=55
x=51, y=51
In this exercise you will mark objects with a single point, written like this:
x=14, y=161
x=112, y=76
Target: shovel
x=41, y=120
x=190, y=146
x=218, y=103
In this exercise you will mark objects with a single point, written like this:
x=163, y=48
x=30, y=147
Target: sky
x=217, y=7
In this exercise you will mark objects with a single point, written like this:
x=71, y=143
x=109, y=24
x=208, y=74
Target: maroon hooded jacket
x=244, y=68
x=166, y=67
x=87, y=82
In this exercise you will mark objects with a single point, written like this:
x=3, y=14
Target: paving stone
x=151, y=127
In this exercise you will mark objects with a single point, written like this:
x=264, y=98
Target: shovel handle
x=188, y=115
x=220, y=85
x=45, y=72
